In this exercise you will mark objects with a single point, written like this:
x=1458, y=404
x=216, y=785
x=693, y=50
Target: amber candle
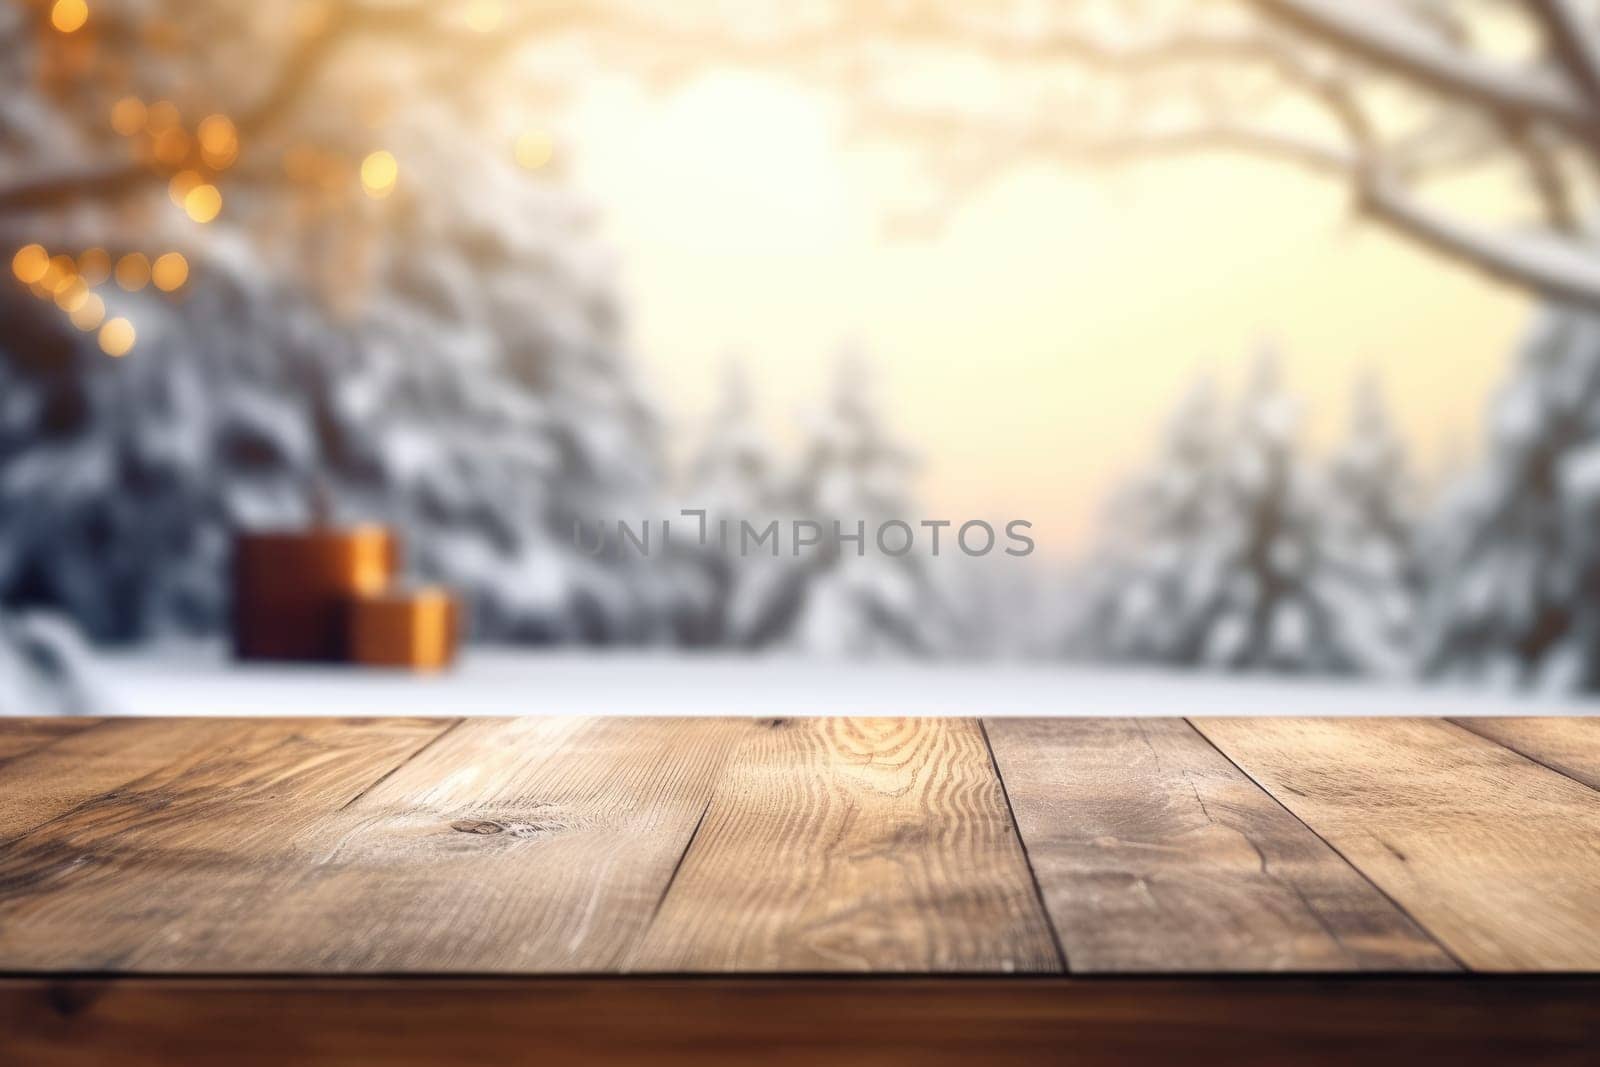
x=292, y=590
x=416, y=629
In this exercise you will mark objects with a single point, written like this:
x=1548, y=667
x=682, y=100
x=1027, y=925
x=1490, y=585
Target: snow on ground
x=191, y=681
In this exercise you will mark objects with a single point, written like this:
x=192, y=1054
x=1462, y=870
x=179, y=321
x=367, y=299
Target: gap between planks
x=1033, y=873
x=1156, y=854
x=1493, y=852
x=1401, y=908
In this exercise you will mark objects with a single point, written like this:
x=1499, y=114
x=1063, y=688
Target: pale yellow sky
x=1032, y=346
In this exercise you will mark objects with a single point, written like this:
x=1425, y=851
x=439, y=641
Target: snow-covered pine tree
x=496, y=406
x=1213, y=558
x=734, y=478
x=835, y=599
x=388, y=311
x=1268, y=615
x=477, y=396
x=1150, y=589
x=1514, y=556
x=1370, y=573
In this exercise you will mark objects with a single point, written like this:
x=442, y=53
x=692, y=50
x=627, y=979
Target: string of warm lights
x=71, y=281
x=191, y=158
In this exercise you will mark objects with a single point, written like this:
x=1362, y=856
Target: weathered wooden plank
x=532, y=845
x=1154, y=853
x=854, y=845
x=1570, y=744
x=19, y=736
x=38, y=786
x=1325, y=1021
x=162, y=867
x=1496, y=856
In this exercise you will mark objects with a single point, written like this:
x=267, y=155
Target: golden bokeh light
x=172, y=146
x=94, y=264
x=182, y=184
x=162, y=115
x=68, y=16
x=534, y=149
x=89, y=314
x=219, y=141
x=379, y=172
x=30, y=264
x=203, y=202
x=169, y=271
x=61, y=269
x=72, y=294
x=133, y=271
x=117, y=337
x=128, y=116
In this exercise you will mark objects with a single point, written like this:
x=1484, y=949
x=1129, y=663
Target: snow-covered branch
x=418, y=28
x=1472, y=110
x=1561, y=268
x=1574, y=40
x=1374, y=33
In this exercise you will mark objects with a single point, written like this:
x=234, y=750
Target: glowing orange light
x=94, y=264
x=89, y=314
x=162, y=115
x=170, y=271
x=133, y=271
x=117, y=337
x=72, y=294
x=30, y=264
x=172, y=145
x=219, y=141
x=379, y=172
x=182, y=184
x=68, y=16
x=61, y=270
x=203, y=202
x=128, y=116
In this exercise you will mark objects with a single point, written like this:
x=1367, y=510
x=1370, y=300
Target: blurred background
x=1274, y=320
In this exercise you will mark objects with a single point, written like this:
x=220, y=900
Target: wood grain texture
x=530, y=845
x=854, y=845
x=1155, y=854
x=1496, y=856
x=19, y=736
x=40, y=785
x=1570, y=745
x=157, y=872
x=710, y=1022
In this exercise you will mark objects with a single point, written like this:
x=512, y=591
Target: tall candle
x=292, y=590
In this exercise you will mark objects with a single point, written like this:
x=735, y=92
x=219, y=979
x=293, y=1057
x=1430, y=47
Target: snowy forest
x=264, y=272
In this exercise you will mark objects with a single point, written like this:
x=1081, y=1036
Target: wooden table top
x=327, y=848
